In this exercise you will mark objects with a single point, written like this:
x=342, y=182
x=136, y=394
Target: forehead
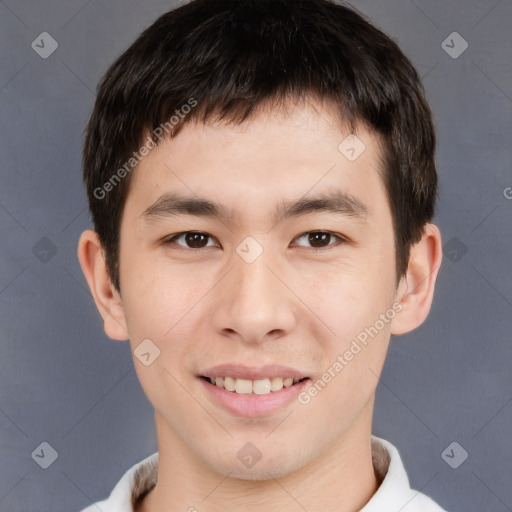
x=273, y=158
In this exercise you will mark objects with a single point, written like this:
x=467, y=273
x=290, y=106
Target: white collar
x=394, y=493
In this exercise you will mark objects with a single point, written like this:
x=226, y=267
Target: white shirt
x=394, y=493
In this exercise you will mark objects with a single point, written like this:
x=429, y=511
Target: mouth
x=258, y=398
x=253, y=391
x=257, y=387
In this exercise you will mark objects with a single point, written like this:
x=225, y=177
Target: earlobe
x=107, y=299
x=416, y=288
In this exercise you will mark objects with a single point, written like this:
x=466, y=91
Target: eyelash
x=180, y=248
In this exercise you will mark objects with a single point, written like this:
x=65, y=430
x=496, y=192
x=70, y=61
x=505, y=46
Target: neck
x=340, y=480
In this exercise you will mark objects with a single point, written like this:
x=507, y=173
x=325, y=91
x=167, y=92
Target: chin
x=262, y=470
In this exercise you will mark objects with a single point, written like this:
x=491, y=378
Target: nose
x=254, y=303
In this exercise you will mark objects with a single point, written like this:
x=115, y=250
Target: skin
x=291, y=306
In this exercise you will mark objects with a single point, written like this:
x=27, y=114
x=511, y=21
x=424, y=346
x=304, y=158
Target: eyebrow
x=336, y=201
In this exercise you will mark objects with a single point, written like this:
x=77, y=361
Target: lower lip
x=253, y=406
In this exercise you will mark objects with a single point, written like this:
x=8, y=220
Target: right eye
x=193, y=240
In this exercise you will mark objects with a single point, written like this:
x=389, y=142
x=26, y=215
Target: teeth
x=261, y=387
x=276, y=384
x=243, y=386
x=252, y=387
x=229, y=383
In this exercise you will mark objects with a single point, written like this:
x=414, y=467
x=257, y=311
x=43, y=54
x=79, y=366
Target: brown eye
x=196, y=240
x=320, y=239
x=190, y=240
x=315, y=238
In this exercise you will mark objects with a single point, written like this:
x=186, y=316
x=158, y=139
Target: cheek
x=356, y=344
x=157, y=296
x=349, y=299
x=160, y=308
x=354, y=352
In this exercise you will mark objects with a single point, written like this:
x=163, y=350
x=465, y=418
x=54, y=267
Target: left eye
x=318, y=239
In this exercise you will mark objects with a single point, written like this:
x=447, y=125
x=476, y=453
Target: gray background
x=62, y=381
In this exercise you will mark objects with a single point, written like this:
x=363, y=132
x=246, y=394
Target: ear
x=416, y=288
x=106, y=297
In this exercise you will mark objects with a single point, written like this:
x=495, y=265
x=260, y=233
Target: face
x=267, y=281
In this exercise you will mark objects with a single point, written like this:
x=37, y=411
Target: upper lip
x=252, y=373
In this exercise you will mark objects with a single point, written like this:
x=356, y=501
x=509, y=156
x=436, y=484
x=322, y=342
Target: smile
x=253, y=387
x=253, y=398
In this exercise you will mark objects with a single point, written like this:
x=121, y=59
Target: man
x=262, y=182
